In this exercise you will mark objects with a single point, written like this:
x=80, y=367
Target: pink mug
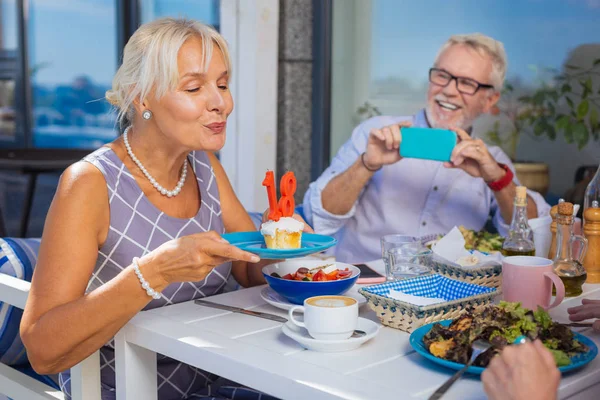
x=529, y=280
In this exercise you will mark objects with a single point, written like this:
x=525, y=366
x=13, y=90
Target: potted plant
x=567, y=104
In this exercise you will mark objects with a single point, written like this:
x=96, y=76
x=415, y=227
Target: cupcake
x=283, y=234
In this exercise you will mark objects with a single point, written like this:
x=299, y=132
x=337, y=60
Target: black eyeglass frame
x=456, y=78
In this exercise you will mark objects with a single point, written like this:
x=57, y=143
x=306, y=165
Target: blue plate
x=254, y=242
x=416, y=341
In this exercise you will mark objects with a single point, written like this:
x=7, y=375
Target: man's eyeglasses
x=464, y=85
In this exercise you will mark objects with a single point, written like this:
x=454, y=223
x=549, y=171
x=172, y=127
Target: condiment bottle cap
x=565, y=208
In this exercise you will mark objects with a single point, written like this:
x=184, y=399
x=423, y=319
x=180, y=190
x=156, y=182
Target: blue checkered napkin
x=432, y=286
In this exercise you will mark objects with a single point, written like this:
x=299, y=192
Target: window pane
x=72, y=59
x=206, y=11
x=382, y=50
x=8, y=73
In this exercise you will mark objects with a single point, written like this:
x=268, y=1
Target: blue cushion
x=17, y=258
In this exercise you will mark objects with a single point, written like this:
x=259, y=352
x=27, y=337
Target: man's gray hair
x=482, y=43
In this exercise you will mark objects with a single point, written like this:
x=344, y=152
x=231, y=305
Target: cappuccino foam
x=331, y=301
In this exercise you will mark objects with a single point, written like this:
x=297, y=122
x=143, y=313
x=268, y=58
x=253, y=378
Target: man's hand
x=472, y=156
x=383, y=146
x=522, y=372
x=588, y=309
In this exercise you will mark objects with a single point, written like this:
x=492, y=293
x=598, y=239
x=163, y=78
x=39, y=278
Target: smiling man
x=369, y=190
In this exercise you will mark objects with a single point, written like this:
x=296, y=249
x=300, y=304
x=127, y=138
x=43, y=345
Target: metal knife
x=271, y=317
x=579, y=324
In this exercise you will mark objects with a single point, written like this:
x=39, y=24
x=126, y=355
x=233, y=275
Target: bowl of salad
x=297, y=280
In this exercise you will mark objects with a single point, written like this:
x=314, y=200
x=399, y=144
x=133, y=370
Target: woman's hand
x=191, y=258
x=588, y=309
x=522, y=372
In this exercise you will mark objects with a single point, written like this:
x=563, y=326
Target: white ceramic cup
x=328, y=317
x=542, y=237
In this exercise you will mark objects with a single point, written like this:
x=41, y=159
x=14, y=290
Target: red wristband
x=504, y=181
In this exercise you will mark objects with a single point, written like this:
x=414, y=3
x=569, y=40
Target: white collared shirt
x=412, y=197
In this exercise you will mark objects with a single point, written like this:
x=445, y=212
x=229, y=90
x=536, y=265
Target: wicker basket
x=489, y=275
x=408, y=317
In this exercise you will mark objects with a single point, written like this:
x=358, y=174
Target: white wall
x=252, y=30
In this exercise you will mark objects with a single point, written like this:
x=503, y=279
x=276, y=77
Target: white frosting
x=288, y=224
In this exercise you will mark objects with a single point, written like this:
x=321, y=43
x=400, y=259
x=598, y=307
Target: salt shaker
x=591, y=230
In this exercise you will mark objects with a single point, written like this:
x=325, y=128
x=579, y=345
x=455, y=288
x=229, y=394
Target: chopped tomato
x=320, y=276
x=288, y=276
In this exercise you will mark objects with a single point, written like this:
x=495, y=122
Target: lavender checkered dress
x=136, y=228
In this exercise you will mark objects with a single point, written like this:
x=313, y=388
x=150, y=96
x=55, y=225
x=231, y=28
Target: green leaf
x=538, y=129
x=566, y=88
x=562, y=122
x=572, y=66
x=586, y=85
x=551, y=131
x=538, y=97
x=596, y=61
x=596, y=132
x=583, y=109
x=581, y=135
x=570, y=102
x=525, y=99
x=569, y=133
x=593, y=118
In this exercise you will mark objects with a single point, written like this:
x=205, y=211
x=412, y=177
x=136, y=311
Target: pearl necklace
x=157, y=186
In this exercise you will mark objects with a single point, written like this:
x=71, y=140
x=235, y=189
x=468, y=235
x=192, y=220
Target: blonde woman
x=137, y=223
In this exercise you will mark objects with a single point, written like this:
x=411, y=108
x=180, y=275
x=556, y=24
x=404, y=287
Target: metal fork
x=478, y=347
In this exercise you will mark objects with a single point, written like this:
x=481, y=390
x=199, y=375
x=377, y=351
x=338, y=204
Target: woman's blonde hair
x=489, y=46
x=150, y=60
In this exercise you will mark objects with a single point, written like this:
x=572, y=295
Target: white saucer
x=277, y=300
x=301, y=336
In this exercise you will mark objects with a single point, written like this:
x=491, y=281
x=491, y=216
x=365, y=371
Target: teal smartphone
x=427, y=143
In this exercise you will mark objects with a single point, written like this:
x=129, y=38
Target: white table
x=254, y=352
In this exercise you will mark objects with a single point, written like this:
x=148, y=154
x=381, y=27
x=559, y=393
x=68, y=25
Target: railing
x=85, y=376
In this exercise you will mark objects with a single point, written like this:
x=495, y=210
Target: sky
x=79, y=37
x=76, y=37
x=407, y=34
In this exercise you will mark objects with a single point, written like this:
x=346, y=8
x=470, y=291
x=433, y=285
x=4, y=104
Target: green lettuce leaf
x=542, y=317
x=560, y=357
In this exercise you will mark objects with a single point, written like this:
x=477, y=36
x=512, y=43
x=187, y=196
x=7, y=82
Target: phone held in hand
x=427, y=143
x=368, y=274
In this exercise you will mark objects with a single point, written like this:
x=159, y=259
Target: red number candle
x=287, y=187
x=269, y=182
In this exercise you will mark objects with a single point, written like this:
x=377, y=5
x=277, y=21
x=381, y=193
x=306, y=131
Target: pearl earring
x=147, y=114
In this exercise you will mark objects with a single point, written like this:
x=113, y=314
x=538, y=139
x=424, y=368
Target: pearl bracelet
x=145, y=285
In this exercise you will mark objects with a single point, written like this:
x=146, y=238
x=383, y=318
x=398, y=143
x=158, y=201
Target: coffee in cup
x=328, y=317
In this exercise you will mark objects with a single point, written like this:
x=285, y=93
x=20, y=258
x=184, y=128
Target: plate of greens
x=482, y=241
x=448, y=343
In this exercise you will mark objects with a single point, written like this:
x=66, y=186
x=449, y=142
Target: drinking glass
x=404, y=257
